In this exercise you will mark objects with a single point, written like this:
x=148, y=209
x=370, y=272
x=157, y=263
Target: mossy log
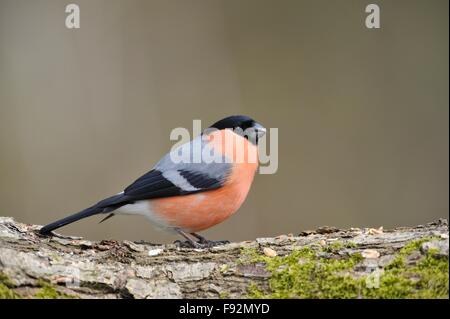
x=407, y=262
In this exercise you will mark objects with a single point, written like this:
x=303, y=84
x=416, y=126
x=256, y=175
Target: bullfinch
x=193, y=192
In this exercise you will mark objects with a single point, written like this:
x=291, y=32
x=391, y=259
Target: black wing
x=154, y=185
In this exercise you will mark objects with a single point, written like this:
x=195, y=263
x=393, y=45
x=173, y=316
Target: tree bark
x=32, y=265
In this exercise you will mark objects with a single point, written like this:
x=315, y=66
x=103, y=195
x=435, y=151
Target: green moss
x=255, y=293
x=4, y=279
x=350, y=244
x=249, y=255
x=224, y=295
x=224, y=268
x=338, y=246
x=304, y=274
x=48, y=291
x=409, y=248
x=428, y=278
x=6, y=291
x=335, y=246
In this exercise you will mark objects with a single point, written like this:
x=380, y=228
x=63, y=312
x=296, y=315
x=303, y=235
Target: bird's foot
x=209, y=243
x=200, y=244
x=212, y=243
x=186, y=244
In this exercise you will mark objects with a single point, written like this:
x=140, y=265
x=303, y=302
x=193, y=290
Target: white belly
x=143, y=208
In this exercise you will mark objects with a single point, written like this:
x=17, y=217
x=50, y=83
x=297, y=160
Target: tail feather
x=70, y=219
x=104, y=206
x=106, y=218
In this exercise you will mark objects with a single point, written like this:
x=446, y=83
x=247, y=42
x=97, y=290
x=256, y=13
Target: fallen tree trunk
x=326, y=263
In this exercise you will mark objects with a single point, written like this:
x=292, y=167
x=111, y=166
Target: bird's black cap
x=241, y=122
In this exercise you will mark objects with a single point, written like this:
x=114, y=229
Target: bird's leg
x=200, y=238
x=209, y=243
x=189, y=243
x=201, y=243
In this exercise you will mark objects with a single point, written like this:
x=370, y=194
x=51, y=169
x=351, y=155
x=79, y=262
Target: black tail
x=70, y=219
x=105, y=206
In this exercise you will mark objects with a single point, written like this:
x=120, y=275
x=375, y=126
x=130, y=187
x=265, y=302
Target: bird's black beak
x=259, y=129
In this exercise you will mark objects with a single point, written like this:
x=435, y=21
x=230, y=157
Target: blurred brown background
x=362, y=114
